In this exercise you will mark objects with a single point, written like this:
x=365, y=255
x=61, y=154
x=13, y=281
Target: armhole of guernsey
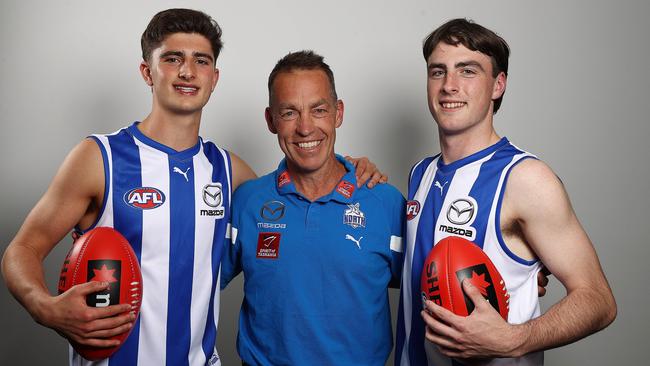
x=107, y=179
x=497, y=216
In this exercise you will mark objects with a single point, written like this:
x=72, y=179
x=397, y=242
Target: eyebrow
x=458, y=65
x=182, y=54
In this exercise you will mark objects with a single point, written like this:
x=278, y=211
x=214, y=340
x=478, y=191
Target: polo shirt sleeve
x=231, y=258
x=395, y=210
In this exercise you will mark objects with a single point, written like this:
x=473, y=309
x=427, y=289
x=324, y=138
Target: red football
x=103, y=254
x=452, y=260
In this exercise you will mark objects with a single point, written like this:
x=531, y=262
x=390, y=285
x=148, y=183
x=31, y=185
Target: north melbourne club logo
x=354, y=217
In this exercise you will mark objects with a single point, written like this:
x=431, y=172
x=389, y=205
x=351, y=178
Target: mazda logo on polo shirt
x=272, y=210
x=461, y=211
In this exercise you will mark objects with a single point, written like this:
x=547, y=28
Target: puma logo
x=357, y=242
x=183, y=173
x=437, y=185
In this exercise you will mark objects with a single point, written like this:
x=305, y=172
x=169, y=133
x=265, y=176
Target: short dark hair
x=172, y=21
x=302, y=60
x=476, y=38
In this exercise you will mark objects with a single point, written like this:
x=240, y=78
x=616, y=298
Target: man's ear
x=269, y=120
x=216, y=78
x=499, y=86
x=145, y=71
x=339, y=113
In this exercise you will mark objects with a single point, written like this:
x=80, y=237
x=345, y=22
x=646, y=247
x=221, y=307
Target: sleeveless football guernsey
x=173, y=207
x=463, y=199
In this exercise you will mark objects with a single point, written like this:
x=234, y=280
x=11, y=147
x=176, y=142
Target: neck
x=458, y=146
x=314, y=185
x=177, y=132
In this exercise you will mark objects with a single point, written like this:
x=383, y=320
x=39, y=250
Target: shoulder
x=241, y=172
x=254, y=188
x=387, y=195
x=533, y=189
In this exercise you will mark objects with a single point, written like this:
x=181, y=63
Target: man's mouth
x=452, y=105
x=184, y=89
x=308, y=144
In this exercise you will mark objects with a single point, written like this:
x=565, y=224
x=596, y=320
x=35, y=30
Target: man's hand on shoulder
x=367, y=172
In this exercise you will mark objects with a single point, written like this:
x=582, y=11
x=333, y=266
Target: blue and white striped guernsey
x=174, y=209
x=464, y=199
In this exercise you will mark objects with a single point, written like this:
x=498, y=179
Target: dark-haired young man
x=318, y=252
x=507, y=202
x=178, y=239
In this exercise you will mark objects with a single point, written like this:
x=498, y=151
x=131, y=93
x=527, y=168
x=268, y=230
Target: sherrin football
x=452, y=260
x=103, y=254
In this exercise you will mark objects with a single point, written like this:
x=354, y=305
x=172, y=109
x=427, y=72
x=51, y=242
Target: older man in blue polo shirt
x=318, y=252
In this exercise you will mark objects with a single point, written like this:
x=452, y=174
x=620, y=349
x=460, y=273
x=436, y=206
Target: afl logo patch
x=145, y=198
x=412, y=209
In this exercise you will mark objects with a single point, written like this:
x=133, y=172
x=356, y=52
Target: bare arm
x=70, y=196
x=241, y=172
x=537, y=200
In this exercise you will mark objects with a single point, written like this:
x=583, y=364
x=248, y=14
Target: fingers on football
x=475, y=295
x=89, y=287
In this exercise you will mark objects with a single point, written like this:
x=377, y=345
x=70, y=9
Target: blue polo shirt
x=316, y=274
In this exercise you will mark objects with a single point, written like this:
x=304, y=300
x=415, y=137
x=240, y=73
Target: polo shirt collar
x=343, y=192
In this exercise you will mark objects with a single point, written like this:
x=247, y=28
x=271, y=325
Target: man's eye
x=172, y=60
x=320, y=112
x=468, y=72
x=288, y=115
x=437, y=73
x=203, y=62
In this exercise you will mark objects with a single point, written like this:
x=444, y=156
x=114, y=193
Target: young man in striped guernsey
x=483, y=188
x=177, y=230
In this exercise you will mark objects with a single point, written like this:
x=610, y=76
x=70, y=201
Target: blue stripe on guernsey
x=126, y=156
x=219, y=175
x=484, y=189
x=181, y=259
x=498, y=220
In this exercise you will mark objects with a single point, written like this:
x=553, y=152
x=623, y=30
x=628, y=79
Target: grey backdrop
x=577, y=96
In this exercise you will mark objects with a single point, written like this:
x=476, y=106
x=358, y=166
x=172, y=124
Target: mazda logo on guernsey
x=145, y=198
x=461, y=211
x=212, y=194
x=272, y=210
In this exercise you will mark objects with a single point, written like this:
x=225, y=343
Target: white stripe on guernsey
x=396, y=244
x=411, y=228
x=233, y=235
x=217, y=303
x=155, y=261
x=228, y=228
x=107, y=215
x=202, y=275
x=460, y=186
